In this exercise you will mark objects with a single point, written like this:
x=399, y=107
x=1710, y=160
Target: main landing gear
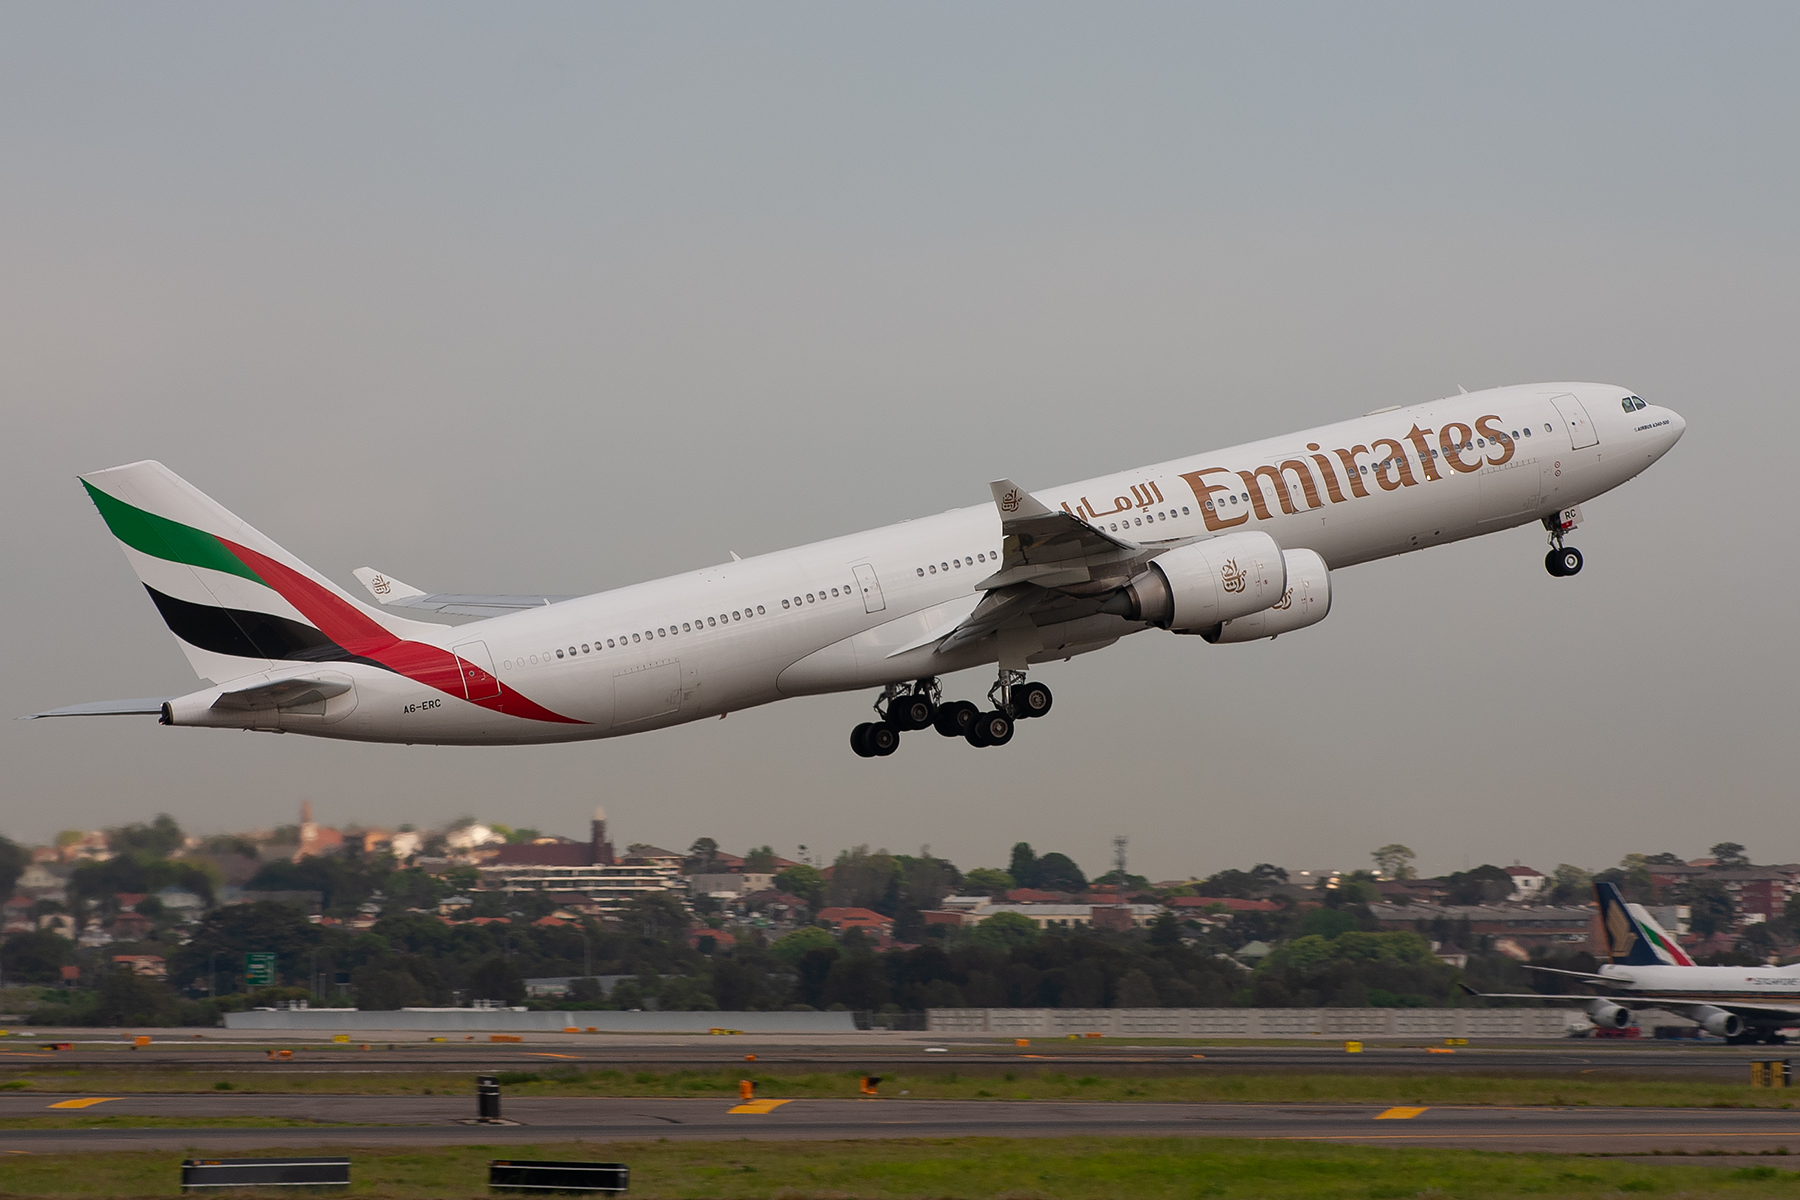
x=904, y=708
x=1562, y=561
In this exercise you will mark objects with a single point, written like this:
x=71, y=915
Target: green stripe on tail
x=162, y=538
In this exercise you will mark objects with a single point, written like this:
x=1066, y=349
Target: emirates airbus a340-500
x=1233, y=545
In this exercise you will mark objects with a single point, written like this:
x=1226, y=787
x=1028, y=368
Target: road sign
x=259, y=970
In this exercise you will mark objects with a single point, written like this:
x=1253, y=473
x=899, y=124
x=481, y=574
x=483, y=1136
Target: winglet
x=385, y=588
x=1014, y=501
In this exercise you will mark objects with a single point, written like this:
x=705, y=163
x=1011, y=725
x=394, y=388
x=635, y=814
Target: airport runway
x=433, y=1120
x=239, y=1054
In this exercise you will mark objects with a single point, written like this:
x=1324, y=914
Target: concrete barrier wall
x=473, y=1020
x=1262, y=1022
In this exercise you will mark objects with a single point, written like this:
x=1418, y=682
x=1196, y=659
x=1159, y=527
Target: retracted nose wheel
x=955, y=718
x=1030, y=700
x=991, y=729
x=1564, y=562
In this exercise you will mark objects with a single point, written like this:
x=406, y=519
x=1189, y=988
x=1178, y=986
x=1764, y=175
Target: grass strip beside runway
x=1201, y=1085
x=968, y=1168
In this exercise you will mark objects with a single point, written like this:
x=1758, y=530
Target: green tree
x=1231, y=882
x=14, y=858
x=1023, y=866
x=1711, y=908
x=1005, y=930
x=225, y=935
x=701, y=856
x=1570, y=885
x=792, y=947
x=160, y=838
x=1394, y=860
x=860, y=879
x=36, y=957
x=803, y=881
x=1730, y=854
x=989, y=881
x=496, y=978
x=1165, y=930
x=522, y=836
x=1058, y=873
x=1486, y=884
x=1137, y=991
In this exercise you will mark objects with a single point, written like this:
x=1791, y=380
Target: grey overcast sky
x=559, y=297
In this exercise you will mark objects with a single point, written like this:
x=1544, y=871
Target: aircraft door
x=1581, y=428
x=477, y=667
x=870, y=587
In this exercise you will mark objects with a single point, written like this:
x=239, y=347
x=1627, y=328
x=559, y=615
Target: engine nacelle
x=1608, y=1015
x=1716, y=1021
x=1205, y=584
x=1305, y=602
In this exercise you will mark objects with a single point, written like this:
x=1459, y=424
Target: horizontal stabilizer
x=150, y=706
x=394, y=594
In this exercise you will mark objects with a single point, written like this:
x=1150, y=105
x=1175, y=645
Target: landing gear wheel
x=991, y=729
x=1030, y=700
x=955, y=718
x=859, y=740
x=882, y=740
x=1564, y=562
x=910, y=712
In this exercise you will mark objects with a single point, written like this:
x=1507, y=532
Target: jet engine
x=1716, y=1021
x=1305, y=601
x=1608, y=1015
x=1202, y=585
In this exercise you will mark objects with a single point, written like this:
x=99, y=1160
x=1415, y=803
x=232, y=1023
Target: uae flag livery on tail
x=239, y=604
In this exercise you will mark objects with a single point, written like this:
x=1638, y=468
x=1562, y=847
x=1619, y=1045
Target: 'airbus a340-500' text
x=1235, y=545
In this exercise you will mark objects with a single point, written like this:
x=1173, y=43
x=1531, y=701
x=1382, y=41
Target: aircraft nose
x=1677, y=426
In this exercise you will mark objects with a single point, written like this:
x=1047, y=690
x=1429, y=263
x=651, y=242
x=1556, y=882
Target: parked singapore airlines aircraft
x=1649, y=970
x=1235, y=545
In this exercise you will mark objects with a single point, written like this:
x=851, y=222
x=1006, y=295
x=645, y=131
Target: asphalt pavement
x=239, y=1055
x=440, y=1120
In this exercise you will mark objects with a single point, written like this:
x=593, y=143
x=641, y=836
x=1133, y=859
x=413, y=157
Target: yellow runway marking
x=1398, y=1114
x=546, y=1054
x=24, y=1054
x=757, y=1107
x=84, y=1102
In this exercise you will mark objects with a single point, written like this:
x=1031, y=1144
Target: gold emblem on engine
x=1286, y=601
x=1235, y=577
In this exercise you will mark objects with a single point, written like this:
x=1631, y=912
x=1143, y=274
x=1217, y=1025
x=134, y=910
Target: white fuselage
x=1766, y=985
x=830, y=616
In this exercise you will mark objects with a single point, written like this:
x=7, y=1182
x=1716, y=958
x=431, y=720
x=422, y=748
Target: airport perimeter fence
x=1262, y=1022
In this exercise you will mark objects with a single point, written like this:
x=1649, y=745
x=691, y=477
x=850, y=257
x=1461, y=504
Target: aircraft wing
x=1635, y=1000
x=391, y=593
x=1048, y=556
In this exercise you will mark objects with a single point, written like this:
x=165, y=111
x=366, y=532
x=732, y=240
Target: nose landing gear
x=1562, y=561
x=906, y=707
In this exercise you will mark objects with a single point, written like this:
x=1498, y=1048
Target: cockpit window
x=1632, y=404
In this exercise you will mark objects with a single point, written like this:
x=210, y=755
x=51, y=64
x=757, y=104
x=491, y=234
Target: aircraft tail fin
x=235, y=601
x=1633, y=938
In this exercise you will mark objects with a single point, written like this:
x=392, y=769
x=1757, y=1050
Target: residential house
x=1528, y=882
x=150, y=966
